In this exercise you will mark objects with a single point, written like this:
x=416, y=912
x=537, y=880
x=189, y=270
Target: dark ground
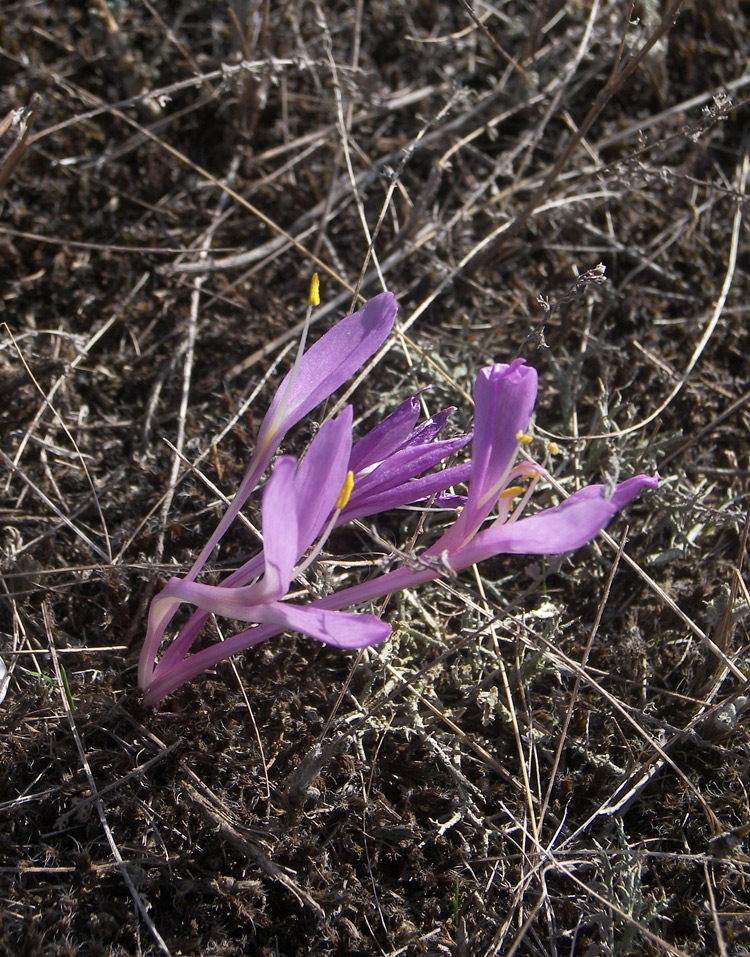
x=511, y=773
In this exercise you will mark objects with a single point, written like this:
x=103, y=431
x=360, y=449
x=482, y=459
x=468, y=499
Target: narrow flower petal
x=280, y=553
x=327, y=365
x=306, y=497
x=504, y=399
x=342, y=629
x=321, y=476
x=568, y=526
x=280, y=530
x=338, y=628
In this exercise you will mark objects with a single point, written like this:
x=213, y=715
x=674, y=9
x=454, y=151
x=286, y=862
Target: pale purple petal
x=320, y=477
x=327, y=365
x=237, y=603
x=345, y=630
x=338, y=628
x=296, y=504
x=504, y=399
x=280, y=531
x=568, y=526
x=342, y=629
x=208, y=598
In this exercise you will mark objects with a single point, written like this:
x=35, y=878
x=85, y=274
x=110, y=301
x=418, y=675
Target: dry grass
x=548, y=758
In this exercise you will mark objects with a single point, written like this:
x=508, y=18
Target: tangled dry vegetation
x=548, y=757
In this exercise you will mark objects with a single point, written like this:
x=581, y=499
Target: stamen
x=518, y=510
x=553, y=448
x=505, y=498
x=314, y=298
x=346, y=492
x=524, y=438
x=495, y=494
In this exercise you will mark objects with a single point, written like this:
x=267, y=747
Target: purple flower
x=382, y=465
x=326, y=366
x=297, y=504
x=504, y=398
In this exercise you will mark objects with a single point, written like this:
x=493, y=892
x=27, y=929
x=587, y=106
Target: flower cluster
x=337, y=481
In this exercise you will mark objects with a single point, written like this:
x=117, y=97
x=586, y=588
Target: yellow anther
x=314, y=299
x=554, y=448
x=512, y=491
x=524, y=438
x=346, y=491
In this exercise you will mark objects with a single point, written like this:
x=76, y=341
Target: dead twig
x=23, y=121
